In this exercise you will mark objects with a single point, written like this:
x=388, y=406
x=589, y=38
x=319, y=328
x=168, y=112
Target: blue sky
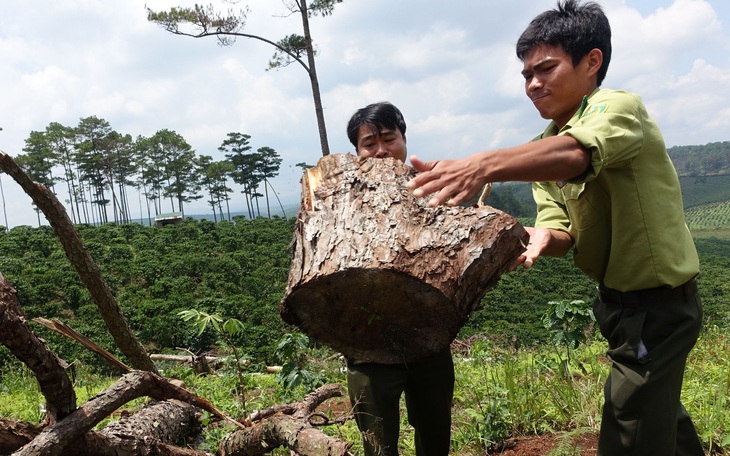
x=452, y=71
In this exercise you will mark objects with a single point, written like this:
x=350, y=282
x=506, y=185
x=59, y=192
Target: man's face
x=554, y=85
x=381, y=144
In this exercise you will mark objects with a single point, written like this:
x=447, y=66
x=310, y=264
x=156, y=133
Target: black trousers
x=375, y=391
x=649, y=337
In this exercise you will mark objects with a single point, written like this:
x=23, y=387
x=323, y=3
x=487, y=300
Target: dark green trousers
x=375, y=391
x=648, y=348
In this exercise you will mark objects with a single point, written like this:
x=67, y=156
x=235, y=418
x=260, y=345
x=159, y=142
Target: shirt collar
x=552, y=129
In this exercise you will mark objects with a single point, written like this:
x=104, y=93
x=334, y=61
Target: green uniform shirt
x=625, y=214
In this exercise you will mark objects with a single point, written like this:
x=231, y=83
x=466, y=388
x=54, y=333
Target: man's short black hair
x=577, y=28
x=380, y=116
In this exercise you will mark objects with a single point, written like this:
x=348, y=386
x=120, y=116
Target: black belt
x=648, y=295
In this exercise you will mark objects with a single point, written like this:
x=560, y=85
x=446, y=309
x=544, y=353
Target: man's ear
x=594, y=60
x=404, y=139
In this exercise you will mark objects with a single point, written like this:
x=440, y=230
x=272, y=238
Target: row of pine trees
x=105, y=173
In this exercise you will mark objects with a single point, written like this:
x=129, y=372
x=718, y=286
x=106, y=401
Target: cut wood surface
x=377, y=274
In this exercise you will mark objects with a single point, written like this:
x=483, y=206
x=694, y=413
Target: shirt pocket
x=587, y=204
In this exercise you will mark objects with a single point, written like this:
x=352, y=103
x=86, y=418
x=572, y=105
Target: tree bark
x=14, y=435
x=24, y=345
x=154, y=430
x=88, y=270
x=282, y=430
x=379, y=275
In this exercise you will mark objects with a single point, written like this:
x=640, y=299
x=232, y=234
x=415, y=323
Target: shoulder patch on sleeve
x=595, y=109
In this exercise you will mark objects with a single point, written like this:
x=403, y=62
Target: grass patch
x=499, y=393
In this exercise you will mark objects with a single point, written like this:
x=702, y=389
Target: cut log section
x=379, y=275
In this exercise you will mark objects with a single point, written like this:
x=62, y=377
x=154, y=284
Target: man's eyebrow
x=367, y=137
x=538, y=65
x=375, y=132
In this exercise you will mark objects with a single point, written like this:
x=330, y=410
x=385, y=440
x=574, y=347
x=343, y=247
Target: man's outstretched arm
x=454, y=182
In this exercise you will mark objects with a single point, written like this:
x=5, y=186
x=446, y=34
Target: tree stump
x=377, y=274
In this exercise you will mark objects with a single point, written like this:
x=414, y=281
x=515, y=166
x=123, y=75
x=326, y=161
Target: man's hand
x=451, y=181
x=543, y=242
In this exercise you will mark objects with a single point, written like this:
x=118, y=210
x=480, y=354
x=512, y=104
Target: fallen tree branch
x=193, y=359
x=152, y=430
x=24, y=345
x=302, y=408
x=88, y=270
x=62, y=328
x=183, y=358
x=282, y=430
x=289, y=427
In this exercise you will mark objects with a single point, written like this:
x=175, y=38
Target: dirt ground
x=541, y=445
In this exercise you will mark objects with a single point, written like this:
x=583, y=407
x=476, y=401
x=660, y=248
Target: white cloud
x=666, y=40
x=686, y=98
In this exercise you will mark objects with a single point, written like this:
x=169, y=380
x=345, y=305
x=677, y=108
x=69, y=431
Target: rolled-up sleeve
x=610, y=130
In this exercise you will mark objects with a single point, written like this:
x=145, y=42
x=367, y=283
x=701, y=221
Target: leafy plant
x=568, y=322
x=227, y=328
x=566, y=443
x=293, y=347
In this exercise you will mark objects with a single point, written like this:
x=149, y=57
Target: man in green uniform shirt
x=605, y=187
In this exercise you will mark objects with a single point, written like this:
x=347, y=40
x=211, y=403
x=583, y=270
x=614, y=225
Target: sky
x=451, y=70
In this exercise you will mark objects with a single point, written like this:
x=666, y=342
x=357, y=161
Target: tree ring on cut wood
x=379, y=275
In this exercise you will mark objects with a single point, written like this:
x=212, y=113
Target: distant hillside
x=708, y=160
x=698, y=190
x=704, y=175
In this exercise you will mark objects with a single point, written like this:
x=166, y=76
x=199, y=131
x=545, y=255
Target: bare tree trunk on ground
x=88, y=270
x=153, y=430
x=377, y=274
